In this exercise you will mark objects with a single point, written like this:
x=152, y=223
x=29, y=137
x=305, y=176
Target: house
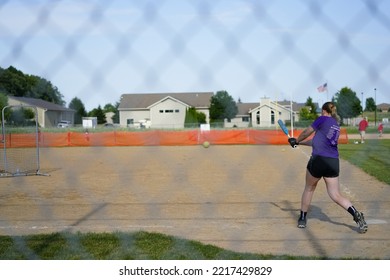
x=268, y=112
x=161, y=110
x=167, y=110
x=243, y=118
x=383, y=107
x=49, y=114
x=264, y=114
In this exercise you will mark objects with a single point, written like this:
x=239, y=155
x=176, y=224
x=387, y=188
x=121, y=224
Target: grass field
x=372, y=157
x=117, y=246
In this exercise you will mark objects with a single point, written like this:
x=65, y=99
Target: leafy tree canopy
x=222, y=106
x=99, y=114
x=77, y=105
x=15, y=82
x=109, y=108
x=194, y=118
x=370, y=104
x=347, y=103
x=4, y=103
x=310, y=111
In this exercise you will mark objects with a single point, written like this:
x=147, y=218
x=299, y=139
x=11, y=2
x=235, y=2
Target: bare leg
x=333, y=188
x=307, y=195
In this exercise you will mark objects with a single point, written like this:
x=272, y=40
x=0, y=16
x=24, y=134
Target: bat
x=284, y=129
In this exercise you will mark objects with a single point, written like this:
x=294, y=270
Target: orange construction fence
x=154, y=138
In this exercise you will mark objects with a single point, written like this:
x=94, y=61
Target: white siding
x=136, y=116
x=168, y=114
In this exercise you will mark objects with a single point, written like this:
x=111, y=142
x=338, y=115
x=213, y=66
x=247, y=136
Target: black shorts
x=320, y=166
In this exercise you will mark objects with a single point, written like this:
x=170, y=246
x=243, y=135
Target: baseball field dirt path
x=244, y=198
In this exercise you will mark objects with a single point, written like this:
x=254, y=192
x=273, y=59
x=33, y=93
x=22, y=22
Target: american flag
x=323, y=87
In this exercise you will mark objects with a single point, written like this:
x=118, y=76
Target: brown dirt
x=243, y=198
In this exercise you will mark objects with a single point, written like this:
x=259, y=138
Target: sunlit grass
x=373, y=157
x=117, y=246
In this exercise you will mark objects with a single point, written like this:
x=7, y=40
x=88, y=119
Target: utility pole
x=375, y=106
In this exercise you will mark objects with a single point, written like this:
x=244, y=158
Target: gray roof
x=244, y=108
x=296, y=106
x=144, y=100
x=384, y=106
x=41, y=104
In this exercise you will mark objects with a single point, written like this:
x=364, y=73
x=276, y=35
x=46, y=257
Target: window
x=169, y=111
x=245, y=119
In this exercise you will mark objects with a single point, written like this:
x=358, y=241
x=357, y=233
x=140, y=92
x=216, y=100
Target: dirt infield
x=240, y=197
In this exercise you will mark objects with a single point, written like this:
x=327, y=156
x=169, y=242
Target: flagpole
x=327, y=94
x=327, y=91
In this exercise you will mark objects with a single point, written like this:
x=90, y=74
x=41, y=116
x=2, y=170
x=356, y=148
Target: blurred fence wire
x=97, y=50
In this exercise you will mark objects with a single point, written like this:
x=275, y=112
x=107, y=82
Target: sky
x=282, y=49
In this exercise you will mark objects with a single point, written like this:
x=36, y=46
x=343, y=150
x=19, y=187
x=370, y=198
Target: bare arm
x=305, y=133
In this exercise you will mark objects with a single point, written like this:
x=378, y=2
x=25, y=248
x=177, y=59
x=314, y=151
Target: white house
x=243, y=118
x=268, y=112
x=264, y=114
x=168, y=110
x=161, y=110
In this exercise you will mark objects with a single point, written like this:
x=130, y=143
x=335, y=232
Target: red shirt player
x=380, y=129
x=362, y=129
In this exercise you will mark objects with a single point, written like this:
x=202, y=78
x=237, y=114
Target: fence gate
x=20, y=141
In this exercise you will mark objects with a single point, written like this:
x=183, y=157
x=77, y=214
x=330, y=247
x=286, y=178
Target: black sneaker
x=359, y=220
x=302, y=222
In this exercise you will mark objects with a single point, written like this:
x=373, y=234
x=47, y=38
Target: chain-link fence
x=97, y=50
x=244, y=198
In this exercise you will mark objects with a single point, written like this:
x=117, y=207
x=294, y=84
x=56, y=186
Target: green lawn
x=117, y=246
x=372, y=157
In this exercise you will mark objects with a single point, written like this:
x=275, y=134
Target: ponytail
x=331, y=109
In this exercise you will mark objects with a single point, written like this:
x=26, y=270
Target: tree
x=15, y=82
x=370, y=104
x=109, y=108
x=99, y=114
x=310, y=111
x=43, y=89
x=305, y=114
x=347, y=103
x=115, y=117
x=222, y=106
x=77, y=105
x=194, y=118
x=4, y=103
x=21, y=116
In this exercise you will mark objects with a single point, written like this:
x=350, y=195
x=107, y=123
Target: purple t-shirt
x=327, y=132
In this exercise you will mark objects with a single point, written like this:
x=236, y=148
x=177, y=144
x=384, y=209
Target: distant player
x=324, y=163
x=380, y=129
x=362, y=129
